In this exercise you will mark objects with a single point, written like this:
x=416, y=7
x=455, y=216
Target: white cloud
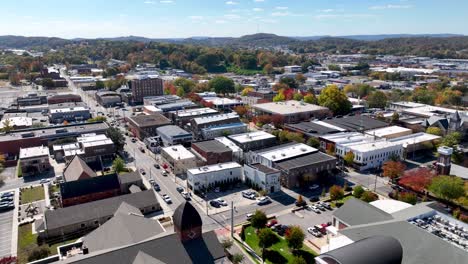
x=327, y=10
x=149, y=2
x=196, y=17
x=381, y=7
x=343, y=16
x=281, y=8
x=280, y=14
x=166, y=1
x=231, y=3
x=231, y=16
x=257, y=9
x=220, y=21
x=258, y=1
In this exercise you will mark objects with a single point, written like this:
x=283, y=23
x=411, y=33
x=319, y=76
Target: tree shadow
x=275, y=257
x=306, y=255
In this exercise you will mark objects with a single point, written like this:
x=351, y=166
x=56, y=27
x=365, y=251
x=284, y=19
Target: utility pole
x=232, y=219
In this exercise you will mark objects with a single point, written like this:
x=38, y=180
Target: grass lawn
x=27, y=243
x=279, y=252
x=344, y=199
x=29, y=195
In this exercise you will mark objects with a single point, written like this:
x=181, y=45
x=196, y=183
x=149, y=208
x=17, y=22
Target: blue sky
x=185, y=18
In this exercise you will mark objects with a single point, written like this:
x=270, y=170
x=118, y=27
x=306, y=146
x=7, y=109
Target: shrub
x=336, y=192
x=358, y=191
x=408, y=197
x=38, y=253
x=369, y=196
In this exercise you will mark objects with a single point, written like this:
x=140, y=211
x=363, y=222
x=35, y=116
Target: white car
x=221, y=202
x=248, y=195
x=314, y=209
x=314, y=232
x=186, y=195
x=314, y=187
x=263, y=200
x=44, y=181
x=166, y=198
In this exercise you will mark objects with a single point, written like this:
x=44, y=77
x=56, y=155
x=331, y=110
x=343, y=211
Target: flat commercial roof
x=178, y=152
x=212, y=146
x=150, y=120
x=291, y=107
x=387, y=131
x=251, y=136
x=215, y=167
x=407, y=104
x=171, y=131
x=354, y=123
x=17, y=121
x=429, y=110
x=348, y=137
x=222, y=101
x=70, y=109
x=33, y=152
x=302, y=161
x=414, y=139
x=365, y=147
x=214, y=118
x=288, y=152
x=195, y=112
x=228, y=143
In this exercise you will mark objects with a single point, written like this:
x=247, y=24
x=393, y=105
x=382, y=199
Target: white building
x=292, y=69
x=389, y=132
x=179, y=159
x=288, y=151
x=263, y=177
x=368, y=155
x=214, y=175
x=237, y=153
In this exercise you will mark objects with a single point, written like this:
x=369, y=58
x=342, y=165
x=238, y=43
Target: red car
x=272, y=223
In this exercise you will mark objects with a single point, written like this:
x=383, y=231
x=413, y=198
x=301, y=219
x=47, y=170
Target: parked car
x=7, y=194
x=141, y=149
x=166, y=198
x=263, y=200
x=320, y=206
x=164, y=173
x=44, y=181
x=156, y=187
x=282, y=230
x=249, y=216
x=152, y=181
x=314, y=209
x=186, y=195
x=214, y=203
x=314, y=232
x=248, y=194
x=314, y=187
x=217, y=190
x=6, y=199
x=314, y=199
x=157, y=166
x=142, y=172
x=133, y=140
x=179, y=189
x=221, y=202
x=327, y=205
x=272, y=223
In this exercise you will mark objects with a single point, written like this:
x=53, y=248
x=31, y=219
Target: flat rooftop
x=352, y=123
x=407, y=104
x=414, y=139
x=26, y=153
x=212, y=146
x=370, y=146
x=348, y=137
x=150, y=120
x=67, y=110
x=17, y=121
x=251, y=136
x=307, y=160
x=195, y=112
x=214, y=168
x=288, y=107
x=429, y=110
x=178, y=152
x=222, y=101
x=172, y=131
x=387, y=131
x=214, y=118
x=228, y=143
x=287, y=152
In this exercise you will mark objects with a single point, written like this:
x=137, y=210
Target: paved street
x=6, y=222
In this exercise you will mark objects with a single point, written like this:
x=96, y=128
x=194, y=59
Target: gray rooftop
x=171, y=131
x=357, y=212
x=88, y=211
x=307, y=160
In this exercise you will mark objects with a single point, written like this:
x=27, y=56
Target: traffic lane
x=6, y=222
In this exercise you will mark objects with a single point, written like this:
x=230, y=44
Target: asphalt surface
x=6, y=224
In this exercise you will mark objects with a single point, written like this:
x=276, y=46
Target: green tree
x=313, y=142
x=298, y=96
x=336, y=192
x=279, y=97
x=7, y=126
x=186, y=84
x=334, y=67
x=335, y=100
x=434, y=131
x=118, y=165
x=310, y=99
x=97, y=119
x=290, y=82
x=222, y=85
x=266, y=239
x=452, y=139
x=298, y=260
x=116, y=136
x=377, y=99
x=237, y=258
x=408, y=197
x=349, y=158
x=358, y=191
x=100, y=85
x=47, y=82
x=295, y=237
x=447, y=187
x=180, y=92
x=395, y=117
x=259, y=219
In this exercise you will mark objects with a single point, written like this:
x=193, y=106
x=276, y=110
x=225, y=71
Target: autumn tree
x=447, y=187
x=277, y=120
x=393, y=169
x=358, y=191
x=268, y=68
x=298, y=96
x=369, y=196
x=241, y=110
x=310, y=98
x=434, y=131
x=377, y=99
x=300, y=78
x=336, y=192
x=295, y=237
x=246, y=91
x=313, y=142
x=408, y=197
x=335, y=100
x=417, y=179
x=349, y=158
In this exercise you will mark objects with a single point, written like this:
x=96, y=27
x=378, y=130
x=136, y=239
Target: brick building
x=212, y=152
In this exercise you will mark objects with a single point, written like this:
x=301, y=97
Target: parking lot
x=6, y=222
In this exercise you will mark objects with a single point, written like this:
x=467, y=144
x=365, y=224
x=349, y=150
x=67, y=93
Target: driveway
x=6, y=224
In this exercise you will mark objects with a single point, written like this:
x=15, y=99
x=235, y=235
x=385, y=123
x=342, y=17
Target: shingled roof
x=77, y=169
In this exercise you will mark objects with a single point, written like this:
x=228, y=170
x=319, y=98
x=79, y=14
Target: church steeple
x=187, y=222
